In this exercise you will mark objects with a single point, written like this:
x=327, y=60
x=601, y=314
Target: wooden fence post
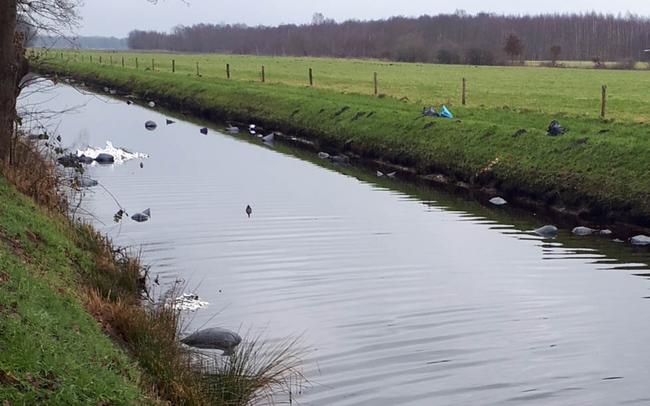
x=173, y=66
x=153, y=64
x=91, y=59
x=376, y=84
x=111, y=58
x=197, y=69
x=263, y=75
x=603, y=101
x=100, y=59
x=228, y=71
x=311, y=77
x=122, y=61
x=464, y=99
x=136, y=64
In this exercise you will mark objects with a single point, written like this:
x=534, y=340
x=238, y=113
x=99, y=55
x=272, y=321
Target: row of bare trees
x=443, y=38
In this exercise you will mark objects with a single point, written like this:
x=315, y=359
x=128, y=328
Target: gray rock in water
x=323, y=155
x=150, y=125
x=85, y=159
x=152, y=104
x=605, y=232
x=215, y=339
x=640, y=240
x=546, y=231
x=583, y=231
x=69, y=161
x=498, y=201
x=392, y=175
x=232, y=129
x=142, y=217
x=105, y=158
x=341, y=159
x=84, y=181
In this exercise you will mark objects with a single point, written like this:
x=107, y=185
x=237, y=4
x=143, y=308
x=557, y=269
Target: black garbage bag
x=555, y=128
x=430, y=112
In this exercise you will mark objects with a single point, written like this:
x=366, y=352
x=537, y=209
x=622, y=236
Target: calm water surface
x=404, y=295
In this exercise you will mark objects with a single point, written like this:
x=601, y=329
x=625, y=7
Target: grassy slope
x=607, y=173
x=51, y=350
x=548, y=90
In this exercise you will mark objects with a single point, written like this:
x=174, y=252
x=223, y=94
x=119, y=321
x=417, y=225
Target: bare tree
x=556, y=51
x=513, y=47
x=17, y=19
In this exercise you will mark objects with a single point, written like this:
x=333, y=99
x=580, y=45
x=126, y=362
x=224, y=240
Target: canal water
x=401, y=294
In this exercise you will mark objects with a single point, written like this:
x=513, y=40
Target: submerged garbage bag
x=444, y=112
x=555, y=128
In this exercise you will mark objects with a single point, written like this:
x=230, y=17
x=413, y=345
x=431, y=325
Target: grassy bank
x=51, y=350
x=547, y=90
x=598, y=169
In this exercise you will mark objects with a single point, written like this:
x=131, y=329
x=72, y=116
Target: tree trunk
x=8, y=74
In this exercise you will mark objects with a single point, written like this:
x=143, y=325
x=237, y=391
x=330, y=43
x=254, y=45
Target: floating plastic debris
x=583, y=231
x=547, y=231
x=640, y=240
x=150, y=125
x=215, y=338
x=498, y=201
x=142, y=217
x=119, y=154
x=187, y=301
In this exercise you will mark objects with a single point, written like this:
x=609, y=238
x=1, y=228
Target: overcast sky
x=118, y=17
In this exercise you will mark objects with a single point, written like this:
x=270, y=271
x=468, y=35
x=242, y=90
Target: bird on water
x=249, y=211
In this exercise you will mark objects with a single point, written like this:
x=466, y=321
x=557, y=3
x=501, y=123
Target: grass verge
x=597, y=171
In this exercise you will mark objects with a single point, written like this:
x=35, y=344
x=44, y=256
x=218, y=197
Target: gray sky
x=118, y=17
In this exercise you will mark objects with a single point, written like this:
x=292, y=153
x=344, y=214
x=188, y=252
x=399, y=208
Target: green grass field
x=549, y=90
x=599, y=168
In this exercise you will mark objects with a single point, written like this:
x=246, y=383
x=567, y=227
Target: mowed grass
x=552, y=91
x=600, y=168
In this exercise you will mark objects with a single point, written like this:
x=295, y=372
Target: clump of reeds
x=255, y=373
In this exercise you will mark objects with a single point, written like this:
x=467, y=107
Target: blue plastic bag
x=444, y=112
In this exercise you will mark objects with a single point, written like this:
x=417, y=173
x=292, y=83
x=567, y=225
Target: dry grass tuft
x=149, y=334
x=257, y=373
x=34, y=173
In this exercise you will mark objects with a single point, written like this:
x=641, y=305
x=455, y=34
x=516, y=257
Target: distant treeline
x=447, y=38
x=79, y=42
